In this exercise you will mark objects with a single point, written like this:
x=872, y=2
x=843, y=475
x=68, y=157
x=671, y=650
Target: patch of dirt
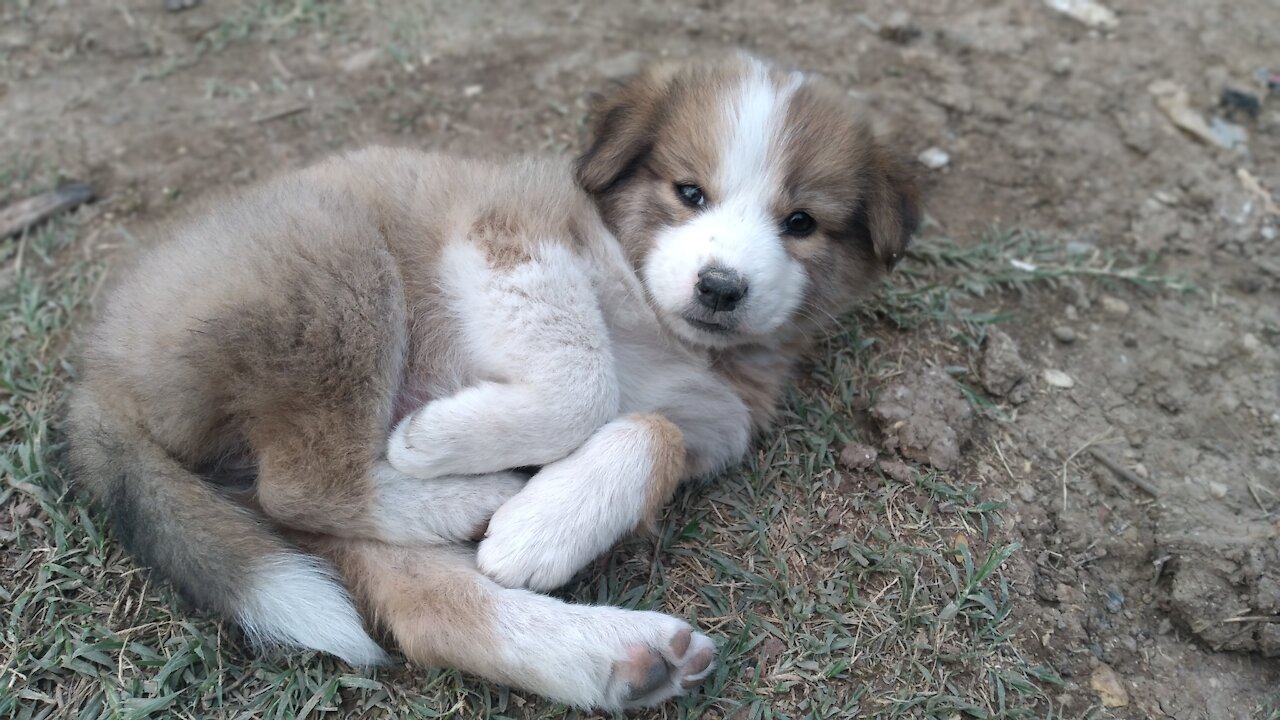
x=925, y=417
x=1164, y=606
x=1172, y=590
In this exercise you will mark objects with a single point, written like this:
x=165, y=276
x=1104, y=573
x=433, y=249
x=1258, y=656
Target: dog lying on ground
x=311, y=399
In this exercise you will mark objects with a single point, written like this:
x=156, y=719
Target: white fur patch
x=738, y=230
x=298, y=600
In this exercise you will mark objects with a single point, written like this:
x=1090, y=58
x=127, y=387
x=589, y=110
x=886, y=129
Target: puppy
x=302, y=406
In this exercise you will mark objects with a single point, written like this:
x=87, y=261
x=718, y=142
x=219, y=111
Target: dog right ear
x=623, y=122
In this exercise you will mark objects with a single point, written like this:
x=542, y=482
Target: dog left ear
x=623, y=123
x=892, y=204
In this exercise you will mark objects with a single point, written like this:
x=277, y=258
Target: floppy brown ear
x=623, y=122
x=892, y=204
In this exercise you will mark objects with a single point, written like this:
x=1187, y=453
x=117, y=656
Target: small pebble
x=1228, y=134
x=1250, y=343
x=1228, y=403
x=1059, y=379
x=1109, y=686
x=472, y=90
x=1233, y=101
x=1064, y=334
x=1113, y=306
x=1115, y=600
x=180, y=5
x=935, y=158
x=1217, y=489
x=1026, y=493
x=362, y=60
x=1071, y=313
x=900, y=28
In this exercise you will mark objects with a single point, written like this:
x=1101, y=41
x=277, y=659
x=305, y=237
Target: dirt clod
x=1225, y=583
x=925, y=417
x=857, y=456
x=898, y=471
x=1004, y=372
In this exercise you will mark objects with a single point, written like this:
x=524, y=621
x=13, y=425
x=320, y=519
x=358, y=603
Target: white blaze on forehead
x=738, y=230
x=756, y=120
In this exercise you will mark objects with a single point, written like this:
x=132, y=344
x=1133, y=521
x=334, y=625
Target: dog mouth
x=709, y=326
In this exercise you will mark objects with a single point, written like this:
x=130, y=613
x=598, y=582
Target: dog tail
x=219, y=554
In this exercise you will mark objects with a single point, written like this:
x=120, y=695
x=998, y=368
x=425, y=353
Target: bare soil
x=1050, y=127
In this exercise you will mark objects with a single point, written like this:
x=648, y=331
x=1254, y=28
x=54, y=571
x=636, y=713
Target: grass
x=945, y=285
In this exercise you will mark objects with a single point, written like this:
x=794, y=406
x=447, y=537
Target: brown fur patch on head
x=663, y=126
x=859, y=190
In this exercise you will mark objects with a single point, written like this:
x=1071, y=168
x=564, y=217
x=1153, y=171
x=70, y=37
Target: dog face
x=752, y=202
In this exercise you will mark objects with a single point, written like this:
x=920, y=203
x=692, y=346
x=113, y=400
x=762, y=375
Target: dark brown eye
x=691, y=195
x=799, y=224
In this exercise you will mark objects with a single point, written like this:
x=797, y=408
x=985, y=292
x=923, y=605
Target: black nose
x=720, y=289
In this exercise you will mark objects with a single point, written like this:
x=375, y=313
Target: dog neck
x=759, y=373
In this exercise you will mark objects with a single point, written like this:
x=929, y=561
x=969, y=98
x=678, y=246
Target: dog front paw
x=516, y=553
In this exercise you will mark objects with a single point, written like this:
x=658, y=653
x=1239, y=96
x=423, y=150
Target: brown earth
x=1049, y=126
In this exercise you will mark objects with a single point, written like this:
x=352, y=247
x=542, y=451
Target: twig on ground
x=1124, y=473
x=1067, y=463
x=281, y=113
x=26, y=213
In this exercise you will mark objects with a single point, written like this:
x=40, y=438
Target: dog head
x=753, y=202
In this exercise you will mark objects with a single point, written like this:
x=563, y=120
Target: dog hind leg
x=443, y=612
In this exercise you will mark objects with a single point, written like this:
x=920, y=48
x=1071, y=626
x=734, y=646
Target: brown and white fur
x=304, y=405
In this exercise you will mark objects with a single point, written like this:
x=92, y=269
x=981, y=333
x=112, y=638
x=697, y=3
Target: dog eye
x=799, y=224
x=691, y=195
